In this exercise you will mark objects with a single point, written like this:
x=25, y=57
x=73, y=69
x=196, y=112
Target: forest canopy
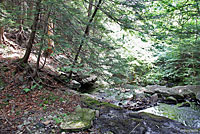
x=120, y=41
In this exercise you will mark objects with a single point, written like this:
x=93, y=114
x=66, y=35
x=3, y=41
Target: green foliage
x=175, y=24
x=26, y=90
x=111, y=50
x=34, y=86
x=57, y=120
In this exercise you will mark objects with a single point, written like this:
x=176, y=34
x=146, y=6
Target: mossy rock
x=95, y=104
x=81, y=119
x=171, y=100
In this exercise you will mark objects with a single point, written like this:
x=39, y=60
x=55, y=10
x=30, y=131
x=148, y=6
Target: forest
x=87, y=66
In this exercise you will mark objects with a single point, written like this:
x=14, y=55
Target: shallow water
x=189, y=116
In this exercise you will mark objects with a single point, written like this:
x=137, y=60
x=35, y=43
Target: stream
x=135, y=100
x=189, y=116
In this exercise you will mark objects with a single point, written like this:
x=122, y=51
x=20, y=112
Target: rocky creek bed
x=149, y=110
x=115, y=121
x=117, y=111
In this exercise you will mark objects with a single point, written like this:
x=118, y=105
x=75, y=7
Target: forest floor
x=30, y=105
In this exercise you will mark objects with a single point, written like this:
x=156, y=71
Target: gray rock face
x=180, y=93
x=126, y=122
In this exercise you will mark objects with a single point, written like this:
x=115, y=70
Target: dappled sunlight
x=132, y=45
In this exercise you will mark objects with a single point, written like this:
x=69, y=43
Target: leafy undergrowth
x=23, y=98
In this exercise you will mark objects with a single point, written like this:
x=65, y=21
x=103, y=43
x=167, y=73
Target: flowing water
x=189, y=116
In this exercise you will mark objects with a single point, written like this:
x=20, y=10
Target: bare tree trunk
x=50, y=33
x=1, y=28
x=33, y=33
x=89, y=13
x=45, y=29
x=85, y=35
x=1, y=35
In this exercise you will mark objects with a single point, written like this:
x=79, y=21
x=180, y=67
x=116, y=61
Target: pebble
x=26, y=122
x=50, y=116
x=40, y=125
x=46, y=122
x=26, y=112
x=30, y=118
x=97, y=113
x=20, y=127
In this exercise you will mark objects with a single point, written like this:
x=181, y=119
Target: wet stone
x=40, y=125
x=20, y=127
x=127, y=122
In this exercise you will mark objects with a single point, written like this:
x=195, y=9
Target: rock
x=154, y=98
x=80, y=120
x=40, y=125
x=20, y=127
x=170, y=100
x=26, y=122
x=46, y=122
x=30, y=118
x=180, y=93
x=184, y=104
x=198, y=95
x=87, y=83
x=26, y=113
x=128, y=86
x=109, y=132
x=126, y=122
x=74, y=84
x=97, y=113
x=21, y=78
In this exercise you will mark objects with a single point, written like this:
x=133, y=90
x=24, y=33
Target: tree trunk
x=50, y=33
x=45, y=29
x=85, y=35
x=33, y=33
x=1, y=35
x=89, y=13
x=1, y=28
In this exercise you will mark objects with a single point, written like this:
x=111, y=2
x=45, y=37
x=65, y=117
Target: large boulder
x=81, y=119
x=180, y=93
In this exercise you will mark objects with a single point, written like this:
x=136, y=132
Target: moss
x=95, y=104
x=81, y=119
x=136, y=119
x=148, y=116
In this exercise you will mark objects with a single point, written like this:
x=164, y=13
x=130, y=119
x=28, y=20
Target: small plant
x=26, y=90
x=42, y=119
x=57, y=120
x=61, y=99
x=46, y=102
x=18, y=112
x=44, y=107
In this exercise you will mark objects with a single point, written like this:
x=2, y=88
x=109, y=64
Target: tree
x=175, y=24
x=1, y=28
x=86, y=33
x=33, y=33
